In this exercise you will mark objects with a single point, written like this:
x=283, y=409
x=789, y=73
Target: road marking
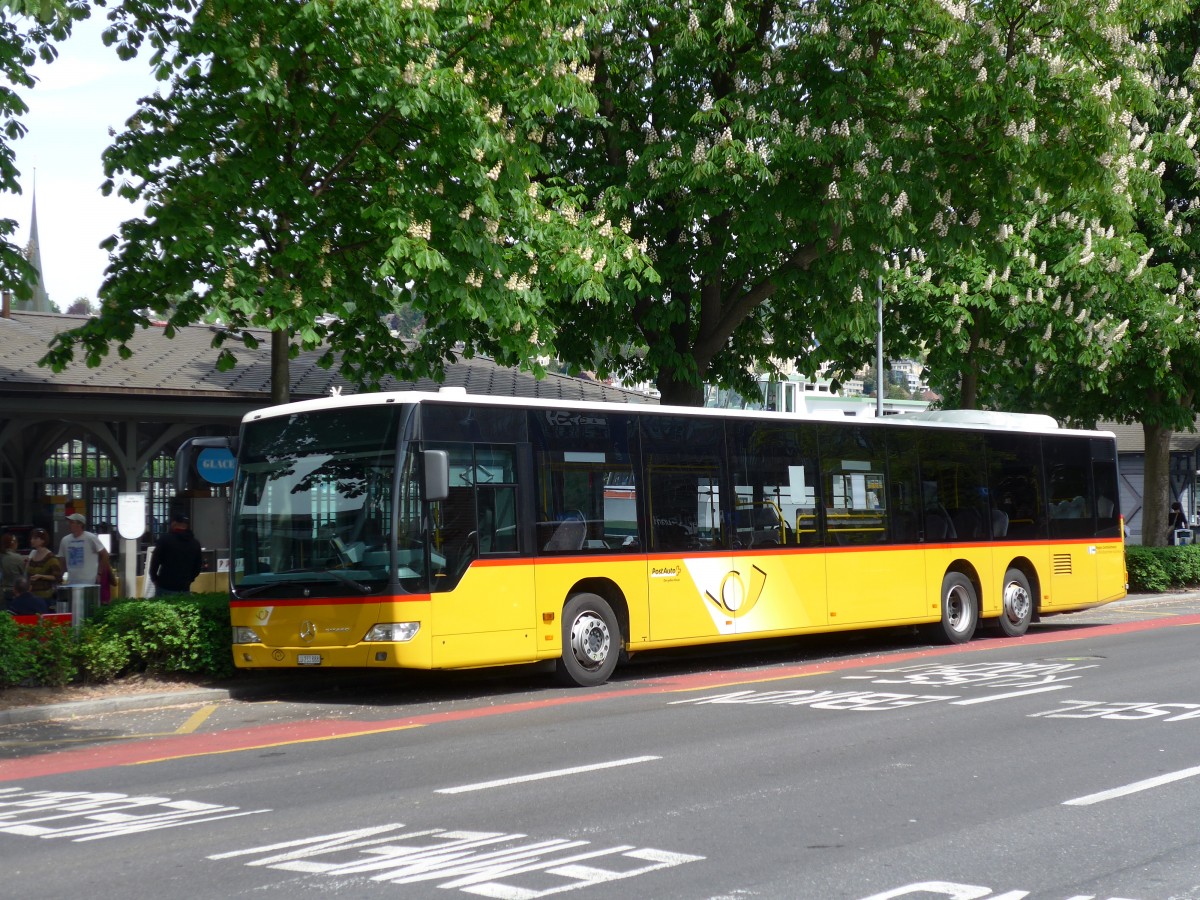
x=484, y=863
x=267, y=745
x=1134, y=788
x=92, y=815
x=539, y=776
x=194, y=721
x=1041, y=690
x=197, y=719
x=259, y=737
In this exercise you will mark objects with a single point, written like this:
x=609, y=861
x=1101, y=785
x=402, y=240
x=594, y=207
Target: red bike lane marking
x=175, y=747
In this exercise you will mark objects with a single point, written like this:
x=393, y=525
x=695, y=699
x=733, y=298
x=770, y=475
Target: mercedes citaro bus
x=446, y=530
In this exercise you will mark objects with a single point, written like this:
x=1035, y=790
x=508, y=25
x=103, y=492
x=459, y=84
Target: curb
x=19, y=715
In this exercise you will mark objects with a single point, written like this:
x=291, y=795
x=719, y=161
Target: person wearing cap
x=83, y=556
x=176, y=560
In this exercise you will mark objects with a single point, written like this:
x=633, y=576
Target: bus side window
x=1068, y=471
x=497, y=519
x=854, y=485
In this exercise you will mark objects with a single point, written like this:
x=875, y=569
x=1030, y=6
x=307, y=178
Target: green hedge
x=183, y=635
x=1156, y=569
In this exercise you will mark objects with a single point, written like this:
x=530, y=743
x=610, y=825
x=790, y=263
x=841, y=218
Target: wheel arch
x=963, y=567
x=1025, y=566
x=612, y=595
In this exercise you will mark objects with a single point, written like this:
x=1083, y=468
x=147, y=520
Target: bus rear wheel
x=591, y=641
x=960, y=609
x=1016, y=604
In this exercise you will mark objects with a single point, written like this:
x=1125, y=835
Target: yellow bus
x=442, y=530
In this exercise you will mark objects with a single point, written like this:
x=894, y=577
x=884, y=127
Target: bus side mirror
x=437, y=474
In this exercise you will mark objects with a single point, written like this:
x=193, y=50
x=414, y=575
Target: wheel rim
x=590, y=640
x=1017, y=602
x=958, y=608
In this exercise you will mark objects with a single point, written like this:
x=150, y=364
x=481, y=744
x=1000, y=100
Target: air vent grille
x=1062, y=564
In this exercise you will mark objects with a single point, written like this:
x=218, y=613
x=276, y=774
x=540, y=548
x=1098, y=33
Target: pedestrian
x=43, y=567
x=82, y=554
x=25, y=603
x=1175, y=521
x=177, y=559
x=12, y=564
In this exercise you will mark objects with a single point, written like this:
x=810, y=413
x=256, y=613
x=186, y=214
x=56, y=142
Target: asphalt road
x=1060, y=766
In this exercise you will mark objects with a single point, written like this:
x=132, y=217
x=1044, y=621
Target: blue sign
x=216, y=465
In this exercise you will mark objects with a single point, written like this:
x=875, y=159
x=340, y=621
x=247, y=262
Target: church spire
x=40, y=302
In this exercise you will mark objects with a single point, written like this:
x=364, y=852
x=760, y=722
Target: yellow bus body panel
x=488, y=619
x=510, y=611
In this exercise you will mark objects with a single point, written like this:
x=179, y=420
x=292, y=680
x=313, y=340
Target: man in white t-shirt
x=83, y=556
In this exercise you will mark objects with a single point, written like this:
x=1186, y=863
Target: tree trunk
x=969, y=398
x=1156, y=482
x=678, y=393
x=281, y=380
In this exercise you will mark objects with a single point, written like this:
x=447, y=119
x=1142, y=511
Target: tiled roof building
x=81, y=436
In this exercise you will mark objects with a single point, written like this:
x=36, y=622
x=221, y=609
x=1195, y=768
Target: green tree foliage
x=769, y=155
x=308, y=160
x=1086, y=306
x=81, y=306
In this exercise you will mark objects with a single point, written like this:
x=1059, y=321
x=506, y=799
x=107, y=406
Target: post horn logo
x=735, y=600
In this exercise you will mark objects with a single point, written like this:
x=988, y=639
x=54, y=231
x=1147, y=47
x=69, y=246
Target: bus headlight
x=245, y=636
x=397, y=632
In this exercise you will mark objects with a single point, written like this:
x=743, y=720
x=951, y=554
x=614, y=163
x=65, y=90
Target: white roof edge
x=992, y=418
x=1027, y=422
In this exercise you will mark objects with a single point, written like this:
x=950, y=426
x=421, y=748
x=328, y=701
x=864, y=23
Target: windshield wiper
x=293, y=584
x=256, y=589
x=347, y=580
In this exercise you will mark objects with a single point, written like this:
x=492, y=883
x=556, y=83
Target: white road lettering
x=540, y=776
x=963, y=892
x=983, y=674
x=1135, y=787
x=1010, y=695
x=1122, y=711
x=84, y=816
x=488, y=864
x=940, y=888
x=858, y=701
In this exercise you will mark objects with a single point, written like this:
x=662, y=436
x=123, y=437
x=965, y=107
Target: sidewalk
x=19, y=715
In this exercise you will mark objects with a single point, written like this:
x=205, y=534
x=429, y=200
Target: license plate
x=308, y=659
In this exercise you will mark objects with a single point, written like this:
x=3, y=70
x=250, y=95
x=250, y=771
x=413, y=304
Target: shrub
x=103, y=655
x=159, y=637
x=16, y=653
x=1156, y=569
x=54, y=649
x=185, y=634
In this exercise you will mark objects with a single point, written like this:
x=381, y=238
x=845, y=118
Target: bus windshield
x=313, y=505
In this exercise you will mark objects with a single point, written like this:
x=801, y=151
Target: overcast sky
x=77, y=99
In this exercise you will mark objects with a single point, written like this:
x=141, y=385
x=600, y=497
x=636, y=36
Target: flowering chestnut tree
x=312, y=164
x=1092, y=311
x=769, y=157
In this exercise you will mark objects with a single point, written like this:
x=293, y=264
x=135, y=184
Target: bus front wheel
x=591, y=641
x=960, y=609
x=1017, y=604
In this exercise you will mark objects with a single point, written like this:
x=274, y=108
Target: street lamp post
x=879, y=346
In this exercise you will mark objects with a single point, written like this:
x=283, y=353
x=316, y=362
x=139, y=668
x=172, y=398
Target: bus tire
x=1016, y=604
x=960, y=609
x=591, y=642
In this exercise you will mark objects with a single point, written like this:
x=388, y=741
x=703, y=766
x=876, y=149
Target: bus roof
x=972, y=419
